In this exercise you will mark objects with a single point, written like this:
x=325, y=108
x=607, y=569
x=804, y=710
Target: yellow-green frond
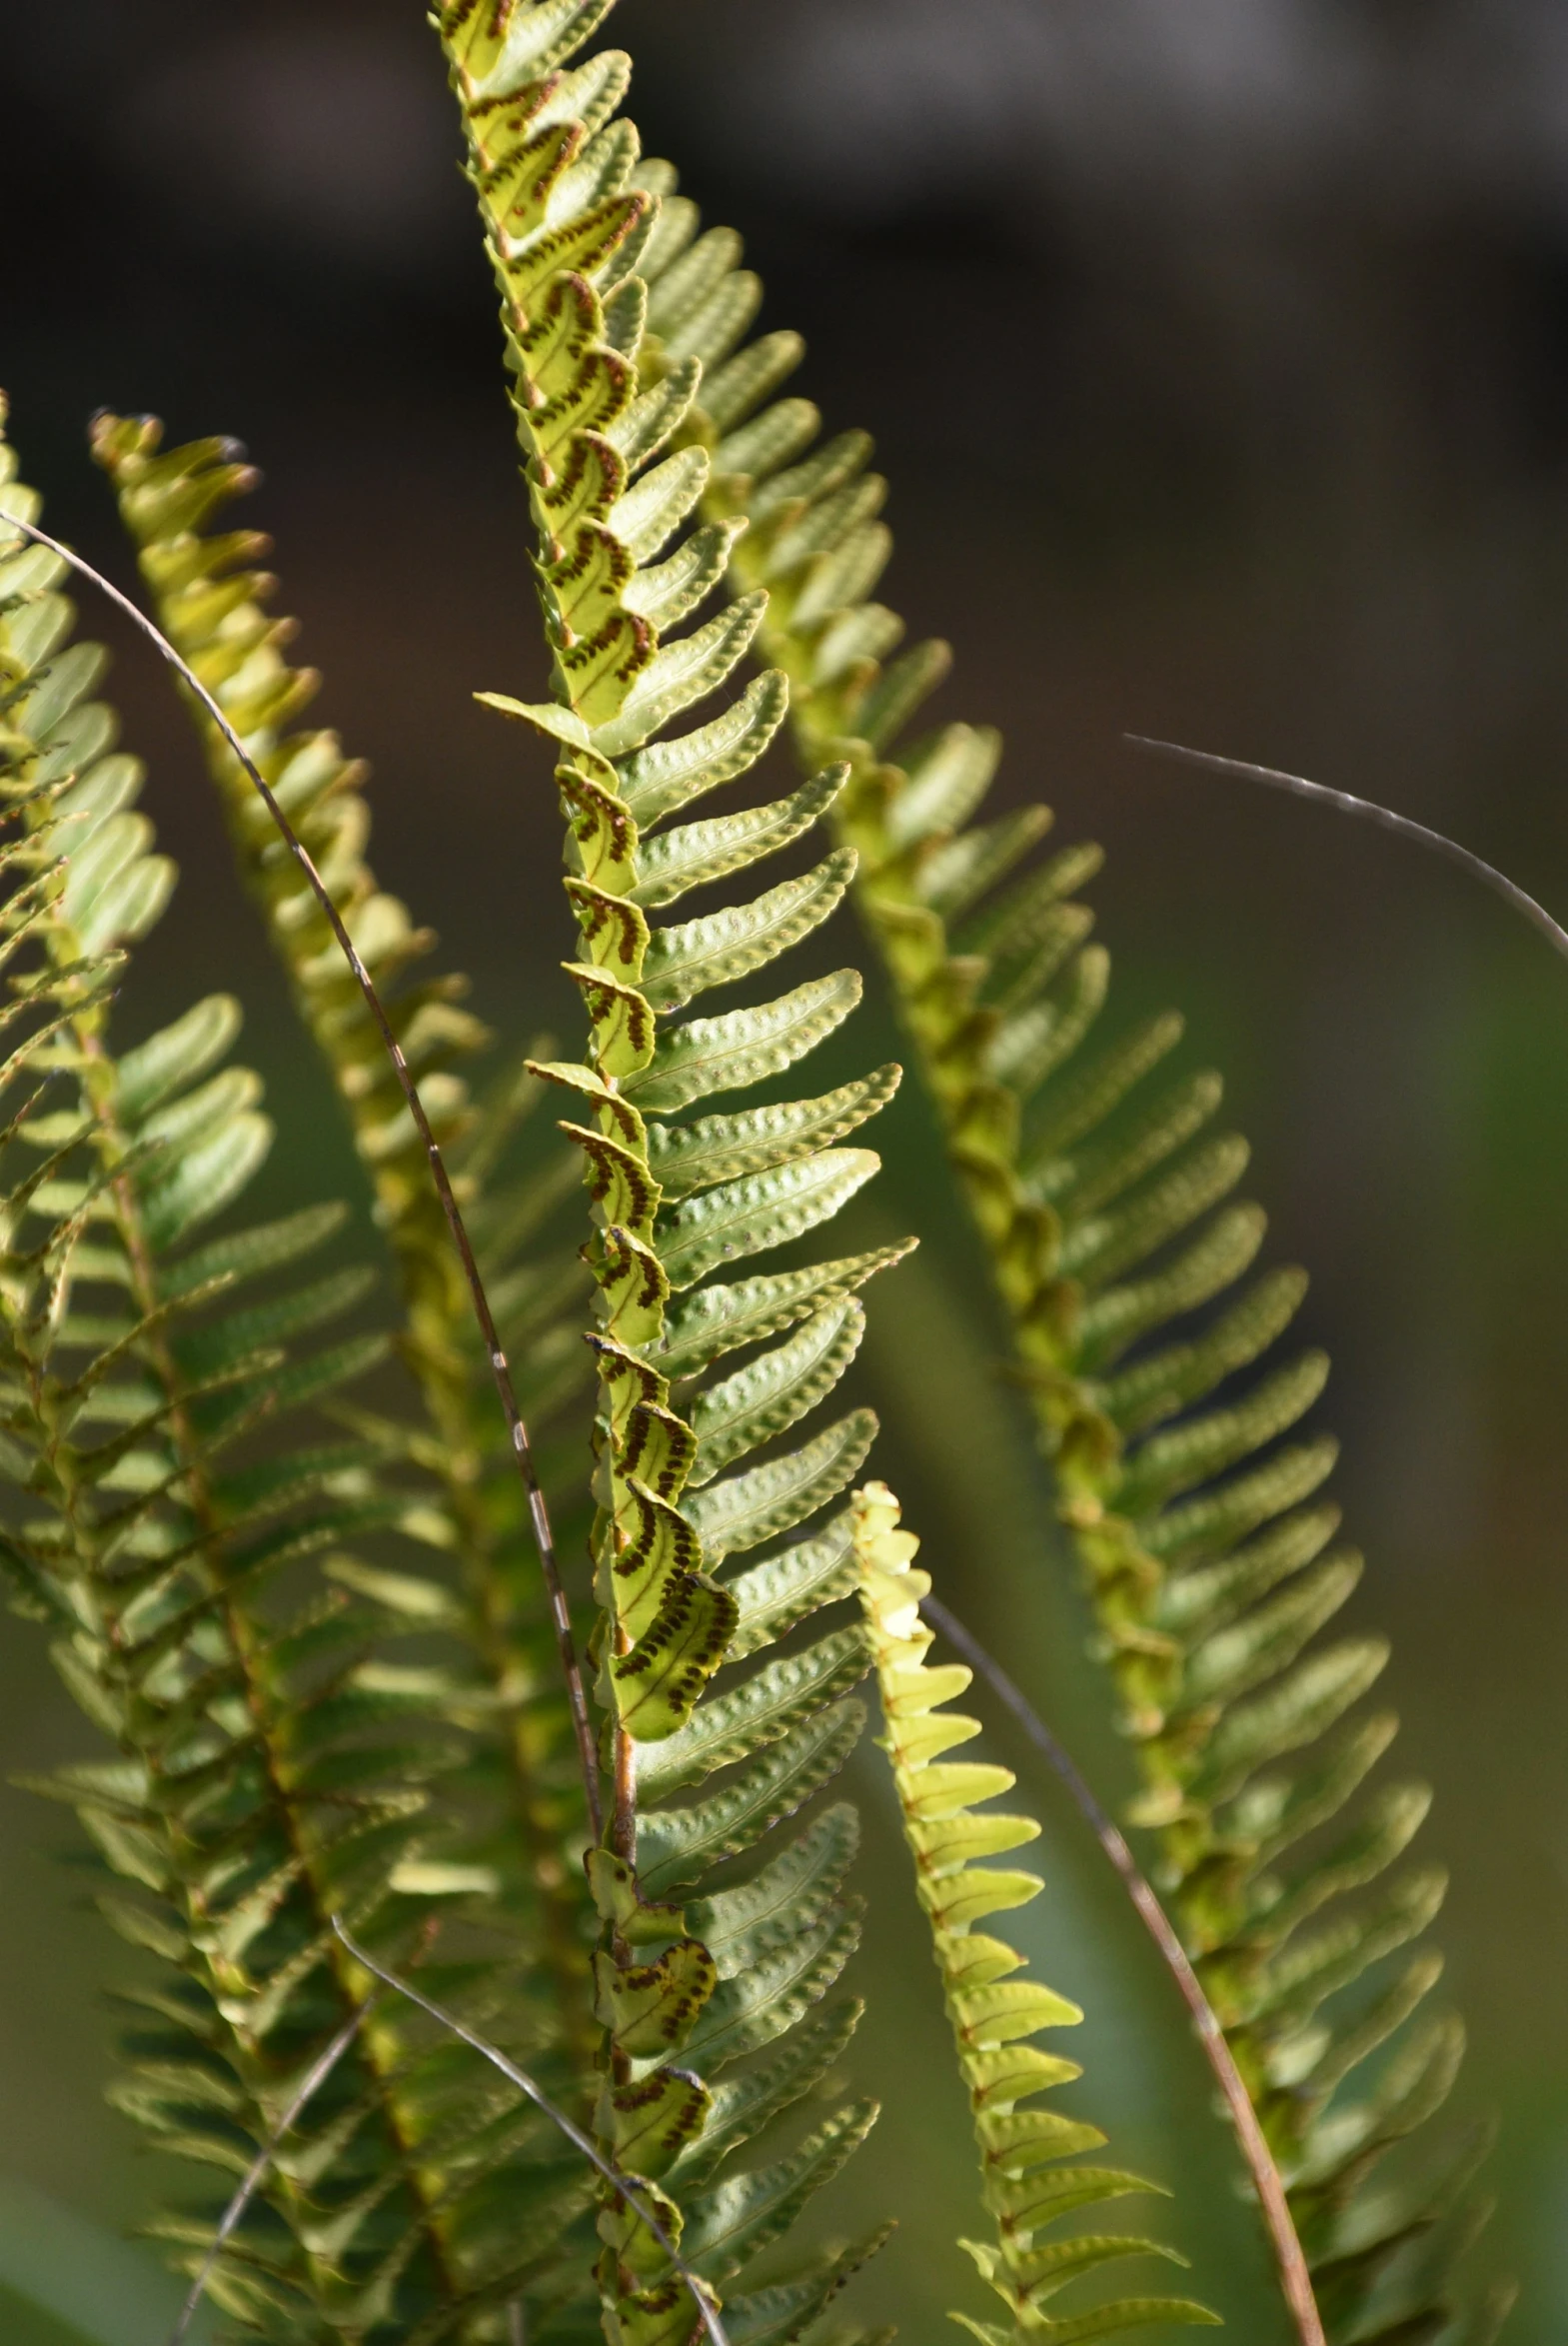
x=1027, y=2181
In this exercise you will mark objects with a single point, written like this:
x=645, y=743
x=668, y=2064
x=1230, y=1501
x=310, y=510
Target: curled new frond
x=1027, y=2186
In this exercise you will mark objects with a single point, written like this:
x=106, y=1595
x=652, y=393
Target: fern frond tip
x=1025, y=2186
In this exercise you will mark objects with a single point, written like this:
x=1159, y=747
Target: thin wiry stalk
x=310, y=2085
x=1294, y=2278
x=1297, y=786
x=574, y=2134
x=500, y=1369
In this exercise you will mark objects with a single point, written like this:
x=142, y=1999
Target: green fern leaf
x=723, y=946
x=776, y=1389
x=773, y=1597
x=773, y=1498
x=742, y=1048
x=212, y=607
x=677, y=1846
x=720, y=1320
x=1083, y=1193
x=612, y=482
x=669, y=774
x=715, y=1149
x=946, y=1835
x=699, y=853
x=760, y=1211
x=268, y=1765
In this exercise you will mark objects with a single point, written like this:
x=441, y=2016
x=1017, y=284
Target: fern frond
x=1107, y=1224
x=568, y=229
x=271, y=1764
x=210, y=602
x=1027, y=2188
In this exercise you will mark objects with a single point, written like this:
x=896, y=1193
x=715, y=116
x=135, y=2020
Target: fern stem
x=1294, y=2279
x=538, y=1517
x=623, y=1824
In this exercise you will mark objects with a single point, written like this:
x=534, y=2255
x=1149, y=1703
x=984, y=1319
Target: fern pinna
x=272, y=1761
x=690, y=1977
x=1104, y=1213
x=210, y=603
x=1026, y=2189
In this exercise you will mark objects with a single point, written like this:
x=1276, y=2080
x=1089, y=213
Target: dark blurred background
x=1220, y=357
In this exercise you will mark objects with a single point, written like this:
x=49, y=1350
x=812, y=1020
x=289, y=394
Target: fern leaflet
x=210, y=606
x=271, y=1761
x=684, y=1989
x=1206, y=1546
x=1026, y=2189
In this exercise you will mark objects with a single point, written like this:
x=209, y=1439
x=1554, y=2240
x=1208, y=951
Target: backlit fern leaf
x=1207, y=1545
x=209, y=604
x=271, y=1761
x=1025, y=2189
x=684, y=1988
